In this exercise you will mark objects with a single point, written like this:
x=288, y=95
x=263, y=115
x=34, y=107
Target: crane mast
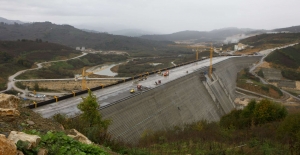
x=210, y=66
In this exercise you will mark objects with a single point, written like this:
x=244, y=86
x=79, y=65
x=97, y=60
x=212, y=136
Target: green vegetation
x=288, y=57
x=89, y=122
x=58, y=143
x=267, y=41
x=260, y=73
x=67, y=69
x=69, y=36
x=291, y=74
x=254, y=114
x=19, y=55
x=253, y=130
x=248, y=81
x=287, y=60
x=271, y=40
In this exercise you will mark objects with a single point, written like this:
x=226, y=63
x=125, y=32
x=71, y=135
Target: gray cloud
x=164, y=16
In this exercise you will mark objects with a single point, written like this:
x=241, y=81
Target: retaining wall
x=181, y=101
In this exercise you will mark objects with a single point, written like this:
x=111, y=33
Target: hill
x=19, y=55
x=3, y=20
x=70, y=36
x=292, y=29
x=287, y=60
x=199, y=36
x=267, y=41
x=131, y=32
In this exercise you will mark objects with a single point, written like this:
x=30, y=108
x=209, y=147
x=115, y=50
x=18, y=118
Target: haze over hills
x=4, y=20
x=131, y=32
x=292, y=29
x=200, y=36
x=73, y=37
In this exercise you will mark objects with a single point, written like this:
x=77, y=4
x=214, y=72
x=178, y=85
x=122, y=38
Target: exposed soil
x=19, y=123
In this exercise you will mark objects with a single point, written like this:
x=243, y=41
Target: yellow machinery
x=197, y=54
x=84, y=75
x=210, y=66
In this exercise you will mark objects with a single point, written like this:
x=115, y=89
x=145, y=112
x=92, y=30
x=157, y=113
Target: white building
x=78, y=48
x=239, y=46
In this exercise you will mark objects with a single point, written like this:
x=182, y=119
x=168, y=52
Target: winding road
x=11, y=79
x=266, y=53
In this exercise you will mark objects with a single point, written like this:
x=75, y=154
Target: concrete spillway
x=183, y=100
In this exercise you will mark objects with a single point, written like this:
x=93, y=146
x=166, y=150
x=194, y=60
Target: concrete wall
x=181, y=101
x=287, y=84
x=272, y=73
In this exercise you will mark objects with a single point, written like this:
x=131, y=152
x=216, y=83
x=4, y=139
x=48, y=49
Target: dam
x=182, y=97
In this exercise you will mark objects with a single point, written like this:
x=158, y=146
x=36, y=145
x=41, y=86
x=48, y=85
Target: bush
x=89, y=122
x=254, y=114
x=58, y=143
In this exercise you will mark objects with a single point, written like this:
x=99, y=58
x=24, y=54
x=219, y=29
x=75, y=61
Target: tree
x=90, y=111
x=289, y=130
x=254, y=114
x=267, y=111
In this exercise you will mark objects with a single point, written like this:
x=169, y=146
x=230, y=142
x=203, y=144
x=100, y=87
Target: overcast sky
x=159, y=16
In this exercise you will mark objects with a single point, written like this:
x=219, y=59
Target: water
x=105, y=70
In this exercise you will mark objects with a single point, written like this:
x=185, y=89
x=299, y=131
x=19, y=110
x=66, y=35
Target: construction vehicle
x=132, y=90
x=139, y=87
x=166, y=73
x=143, y=78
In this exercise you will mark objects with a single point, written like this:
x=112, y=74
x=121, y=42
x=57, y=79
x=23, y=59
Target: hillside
x=19, y=55
x=267, y=41
x=292, y=29
x=287, y=60
x=131, y=32
x=4, y=20
x=69, y=36
x=199, y=36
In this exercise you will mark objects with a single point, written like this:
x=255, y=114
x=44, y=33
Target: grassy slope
x=67, y=69
x=19, y=55
x=265, y=41
x=288, y=60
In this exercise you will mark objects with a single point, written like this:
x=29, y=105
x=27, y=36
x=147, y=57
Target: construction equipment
x=139, y=87
x=210, y=66
x=166, y=73
x=197, y=54
x=143, y=78
x=84, y=76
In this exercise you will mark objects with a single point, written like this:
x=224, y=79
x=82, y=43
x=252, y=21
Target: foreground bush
x=58, y=143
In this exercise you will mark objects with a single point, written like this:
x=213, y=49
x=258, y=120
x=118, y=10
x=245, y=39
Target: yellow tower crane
x=210, y=66
x=84, y=76
x=197, y=54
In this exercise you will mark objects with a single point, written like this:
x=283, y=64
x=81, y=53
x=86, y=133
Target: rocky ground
x=27, y=120
x=15, y=117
